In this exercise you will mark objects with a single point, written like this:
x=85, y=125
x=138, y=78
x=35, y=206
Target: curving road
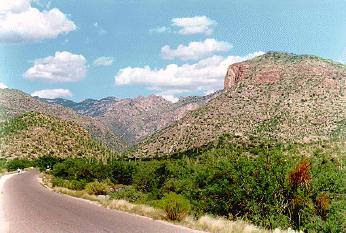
x=28, y=207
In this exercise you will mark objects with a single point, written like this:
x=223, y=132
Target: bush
x=79, y=169
x=121, y=172
x=70, y=184
x=2, y=163
x=176, y=207
x=14, y=164
x=45, y=162
x=130, y=194
x=98, y=188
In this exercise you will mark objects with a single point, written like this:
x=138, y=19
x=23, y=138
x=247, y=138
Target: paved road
x=30, y=208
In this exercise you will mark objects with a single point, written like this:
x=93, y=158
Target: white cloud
x=194, y=25
x=20, y=22
x=103, y=61
x=170, y=98
x=205, y=75
x=52, y=93
x=62, y=67
x=195, y=50
x=160, y=29
x=3, y=86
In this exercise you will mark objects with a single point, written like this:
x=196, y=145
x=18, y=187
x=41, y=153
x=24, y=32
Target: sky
x=79, y=49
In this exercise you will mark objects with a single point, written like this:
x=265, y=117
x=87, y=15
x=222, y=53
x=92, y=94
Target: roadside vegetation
x=2, y=166
x=272, y=186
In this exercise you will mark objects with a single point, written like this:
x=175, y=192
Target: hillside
x=134, y=119
x=276, y=96
x=14, y=103
x=35, y=134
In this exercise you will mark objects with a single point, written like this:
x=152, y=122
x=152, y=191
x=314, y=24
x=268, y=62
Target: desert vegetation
x=272, y=186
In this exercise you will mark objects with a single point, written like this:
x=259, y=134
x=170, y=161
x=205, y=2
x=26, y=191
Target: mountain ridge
x=36, y=134
x=276, y=96
x=14, y=103
x=135, y=119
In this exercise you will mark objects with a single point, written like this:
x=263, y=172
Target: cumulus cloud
x=103, y=61
x=205, y=75
x=3, y=86
x=52, y=93
x=194, y=25
x=20, y=22
x=195, y=50
x=62, y=67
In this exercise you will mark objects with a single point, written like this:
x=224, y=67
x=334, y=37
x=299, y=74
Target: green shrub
x=70, y=184
x=14, y=164
x=121, y=172
x=176, y=206
x=130, y=194
x=45, y=162
x=2, y=163
x=98, y=188
x=79, y=169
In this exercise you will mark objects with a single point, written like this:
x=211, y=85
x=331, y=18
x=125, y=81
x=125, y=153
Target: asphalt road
x=28, y=207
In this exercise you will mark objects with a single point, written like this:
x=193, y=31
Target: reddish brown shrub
x=322, y=204
x=300, y=176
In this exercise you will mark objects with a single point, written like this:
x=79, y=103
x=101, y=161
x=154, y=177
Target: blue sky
x=92, y=49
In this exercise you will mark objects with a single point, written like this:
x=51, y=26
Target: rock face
x=276, y=96
x=235, y=73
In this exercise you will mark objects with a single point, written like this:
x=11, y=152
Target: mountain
x=35, y=134
x=135, y=119
x=274, y=97
x=15, y=103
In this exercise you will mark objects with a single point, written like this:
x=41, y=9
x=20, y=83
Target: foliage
x=300, y=176
x=98, y=188
x=131, y=194
x=176, y=207
x=70, y=184
x=323, y=205
x=80, y=169
x=272, y=186
x=14, y=164
x=121, y=172
x=2, y=163
x=47, y=162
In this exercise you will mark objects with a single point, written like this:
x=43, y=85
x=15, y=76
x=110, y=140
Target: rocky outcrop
x=235, y=73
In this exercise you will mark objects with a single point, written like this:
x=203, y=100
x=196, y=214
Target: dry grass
x=222, y=225
x=80, y=194
x=143, y=210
